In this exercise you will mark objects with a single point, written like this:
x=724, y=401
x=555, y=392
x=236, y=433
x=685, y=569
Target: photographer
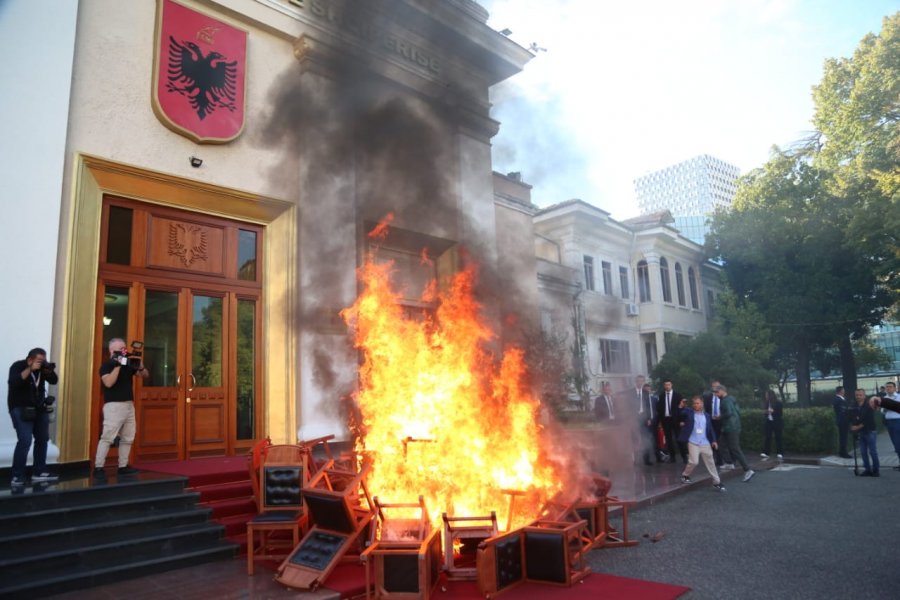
x=862, y=423
x=116, y=375
x=30, y=408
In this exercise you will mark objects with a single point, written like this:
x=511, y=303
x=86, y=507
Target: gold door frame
x=74, y=334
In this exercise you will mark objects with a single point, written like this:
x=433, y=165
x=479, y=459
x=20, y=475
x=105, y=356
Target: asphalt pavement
x=795, y=531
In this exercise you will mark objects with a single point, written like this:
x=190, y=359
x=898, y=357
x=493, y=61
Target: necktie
x=640, y=403
x=668, y=402
x=715, y=406
x=609, y=407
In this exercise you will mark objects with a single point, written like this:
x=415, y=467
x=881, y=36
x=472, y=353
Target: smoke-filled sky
x=628, y=87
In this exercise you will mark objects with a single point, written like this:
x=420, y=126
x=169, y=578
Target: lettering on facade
x=361, y=25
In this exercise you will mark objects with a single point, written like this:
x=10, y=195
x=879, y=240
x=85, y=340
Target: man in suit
x=839, y=404
x=641, y=403
x=698, y=434
x=604, y=404
x=669, y=410
x=712, y=405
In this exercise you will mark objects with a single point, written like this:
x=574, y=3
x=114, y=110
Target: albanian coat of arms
x=199, y=74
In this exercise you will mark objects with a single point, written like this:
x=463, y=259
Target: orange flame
x=439, y=417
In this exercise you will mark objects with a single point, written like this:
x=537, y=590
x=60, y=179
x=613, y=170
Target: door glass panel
x=247, y=255
x=118, y=238
x=115, y=315
x=246, y=370
x=161, y=338
x=206, y=338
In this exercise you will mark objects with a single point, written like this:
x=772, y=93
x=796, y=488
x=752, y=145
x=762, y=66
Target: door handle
x=177, y=380
x=193, y=381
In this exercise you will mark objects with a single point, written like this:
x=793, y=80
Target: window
x=679, y=284
x=614, y=356
x=607, y=277
x=643, y=275
x=692, y=282
x=664, y=279
x=588, y=273
x=623, y=281
x=710, y=303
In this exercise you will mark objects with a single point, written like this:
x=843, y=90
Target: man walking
x=669, y=415
x=731, y=430
x=712, y=405
x=698, y=434
x=839, y=404
x=643, y=403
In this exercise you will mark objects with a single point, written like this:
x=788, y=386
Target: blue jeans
x=893, y=427
x=868, y=444
x=39, y=429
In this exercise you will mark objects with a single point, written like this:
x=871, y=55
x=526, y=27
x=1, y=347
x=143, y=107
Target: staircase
x=75, y=535
x=229, y=497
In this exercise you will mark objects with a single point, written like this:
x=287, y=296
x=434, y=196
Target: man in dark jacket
x=839, y=404
x=28, y=409
x=774, y=424
x=863, y=425
x=669, y=414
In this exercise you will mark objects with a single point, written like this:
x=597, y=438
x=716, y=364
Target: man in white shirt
x=892, y=418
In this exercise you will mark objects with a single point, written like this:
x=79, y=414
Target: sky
x=624, y=88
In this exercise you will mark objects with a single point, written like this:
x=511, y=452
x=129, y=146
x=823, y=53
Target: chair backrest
x=282, y=476
x=334, y=499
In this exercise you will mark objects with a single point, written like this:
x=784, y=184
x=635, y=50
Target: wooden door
x=187, y=286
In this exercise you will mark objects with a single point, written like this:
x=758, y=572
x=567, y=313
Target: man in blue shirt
x=697, y=432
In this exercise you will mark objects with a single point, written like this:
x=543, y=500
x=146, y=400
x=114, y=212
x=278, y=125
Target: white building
x=690, y=190
x=627, y=284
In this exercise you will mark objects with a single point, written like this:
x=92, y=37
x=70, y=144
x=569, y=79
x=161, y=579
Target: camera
x=48, y=404
x=48, y=367
x=131, y=359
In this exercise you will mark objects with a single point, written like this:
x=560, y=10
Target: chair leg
x=251, y=541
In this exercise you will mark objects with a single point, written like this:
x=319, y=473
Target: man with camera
x=861, y=418
x=116, y=375
x=30, y=408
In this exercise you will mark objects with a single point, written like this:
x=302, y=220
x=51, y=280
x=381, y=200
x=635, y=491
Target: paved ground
x=792, y=532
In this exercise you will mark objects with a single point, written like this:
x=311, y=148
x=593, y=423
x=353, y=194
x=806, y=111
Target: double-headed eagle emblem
x=208, y=82
x=188, y=243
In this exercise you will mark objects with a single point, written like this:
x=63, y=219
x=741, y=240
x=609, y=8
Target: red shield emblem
x=199, y=74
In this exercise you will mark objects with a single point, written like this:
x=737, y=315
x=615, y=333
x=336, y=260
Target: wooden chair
x=469, y=532
x=340, y=509
x=556, y=552
x=404, y=554
x=612, y=537
x=500, y=563
x=281, y=478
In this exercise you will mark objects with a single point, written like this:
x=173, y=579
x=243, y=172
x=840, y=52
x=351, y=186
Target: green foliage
x=691, y=363
x=806, y=430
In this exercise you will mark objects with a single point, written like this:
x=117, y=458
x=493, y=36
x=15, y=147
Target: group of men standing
x=663, y=432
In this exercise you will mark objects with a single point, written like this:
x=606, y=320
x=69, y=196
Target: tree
x=812, y=237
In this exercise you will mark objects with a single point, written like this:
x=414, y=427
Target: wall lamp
x=196, y=162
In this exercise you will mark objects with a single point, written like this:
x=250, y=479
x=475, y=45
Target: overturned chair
x=340, y=509
x=404, y=553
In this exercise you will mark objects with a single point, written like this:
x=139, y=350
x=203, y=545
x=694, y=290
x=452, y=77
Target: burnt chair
x=340, y=509
x=282, y=516
x=468, y=533
x=404, y=553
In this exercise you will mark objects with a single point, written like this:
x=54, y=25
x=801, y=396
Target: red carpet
x=349, y=581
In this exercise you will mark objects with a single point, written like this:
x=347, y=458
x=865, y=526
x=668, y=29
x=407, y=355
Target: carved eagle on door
x=187, y=243
x=208, y=82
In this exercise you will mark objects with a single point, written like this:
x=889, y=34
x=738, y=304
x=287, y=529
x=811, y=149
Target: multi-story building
x=621, y=286
x=690, y=190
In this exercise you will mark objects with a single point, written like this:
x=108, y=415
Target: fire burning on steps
x=440, y=415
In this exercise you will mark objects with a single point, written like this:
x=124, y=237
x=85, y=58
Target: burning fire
x=440, y=417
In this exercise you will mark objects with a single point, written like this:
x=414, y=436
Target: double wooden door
x=198, y=325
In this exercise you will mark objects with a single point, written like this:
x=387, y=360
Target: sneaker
x=45, y=476
x=866, y=474
x=127, y=470
x=763, y=455
x=749, y=475
x=719, y=487
x=728, y=467
x=98, y=473
x=779, y=456
x=17, y=482
x=685, y=479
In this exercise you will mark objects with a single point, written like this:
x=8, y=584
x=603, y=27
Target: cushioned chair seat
x=276, y=517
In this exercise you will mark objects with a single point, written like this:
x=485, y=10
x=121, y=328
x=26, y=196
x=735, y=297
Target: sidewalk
x=645, y=485
x=886, y=455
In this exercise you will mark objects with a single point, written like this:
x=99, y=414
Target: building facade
x=621, y=286
x=230, y=259
x=691, y=190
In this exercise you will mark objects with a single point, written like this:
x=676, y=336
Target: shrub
x=806, y=430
